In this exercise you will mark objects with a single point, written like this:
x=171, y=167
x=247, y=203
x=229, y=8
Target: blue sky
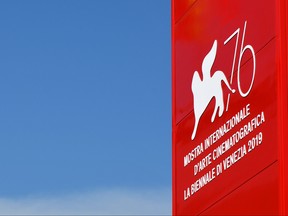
x=85, y=105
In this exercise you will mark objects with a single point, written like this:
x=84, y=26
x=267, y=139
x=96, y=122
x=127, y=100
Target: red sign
x=229, y=101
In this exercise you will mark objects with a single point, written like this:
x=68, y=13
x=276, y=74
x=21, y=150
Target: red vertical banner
x=229, y=95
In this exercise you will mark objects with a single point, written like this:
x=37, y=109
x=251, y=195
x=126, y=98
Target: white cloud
x=106, y=202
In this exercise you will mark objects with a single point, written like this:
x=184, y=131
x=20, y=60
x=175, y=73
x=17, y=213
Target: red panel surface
x=282, y=21
x=255, y=197
x=218, y=40
x=181, y=7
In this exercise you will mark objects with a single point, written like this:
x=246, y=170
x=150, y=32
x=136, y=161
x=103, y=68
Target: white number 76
x=242, y=51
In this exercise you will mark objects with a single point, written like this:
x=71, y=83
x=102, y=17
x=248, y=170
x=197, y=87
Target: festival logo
x=210, y=86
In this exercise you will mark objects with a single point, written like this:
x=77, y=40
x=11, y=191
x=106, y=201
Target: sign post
x=229, y=120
